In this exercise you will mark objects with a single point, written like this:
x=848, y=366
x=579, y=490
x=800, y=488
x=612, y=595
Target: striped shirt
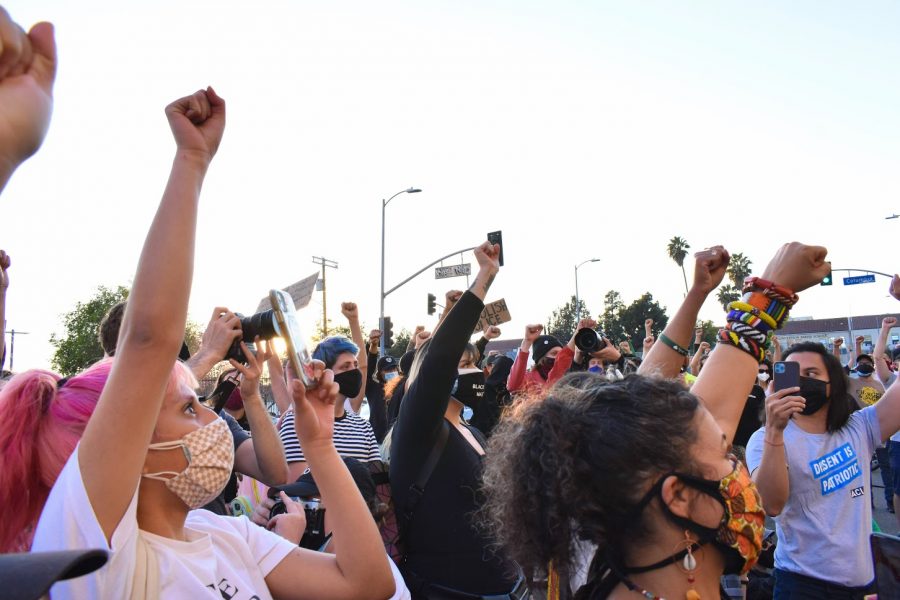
x=353, y=438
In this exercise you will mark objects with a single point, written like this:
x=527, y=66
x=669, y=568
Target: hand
x=797, y=266
x=223, y=328
x=703, y=348
x=261, y=511
x=197, y=122
x=625, y=347
x=491, y=332
x=648, y=328
x=886, y=323
x=609, y=353
x=781, y=406
x=314, y=409
x=350, y=311
x=838, y=342
x=291, y=524
x=27, y=72
x=450, y=298
x=698, y=335
x=709, y=268
x=419, y=329
x=421, y=337
x=860, y=339
x=586, y=324
x=374, y=336
x=4, y=266
x=648, y=343
x=532, y=333
x=252, y=371
x=488, y=256
x=895, y=287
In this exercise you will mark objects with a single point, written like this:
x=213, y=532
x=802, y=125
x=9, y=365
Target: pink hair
x=41, y=425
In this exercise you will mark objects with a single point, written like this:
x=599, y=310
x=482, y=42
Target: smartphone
x=289, y=330
x=787, y=374
x=496, y=237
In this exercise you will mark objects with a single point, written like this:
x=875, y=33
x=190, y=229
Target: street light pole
x=384, y=204
x=577, y=298
x=325, y=263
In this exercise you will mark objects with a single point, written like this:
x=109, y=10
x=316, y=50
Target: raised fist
x=492, y=332
x=797, y=266
x=198, y=122
x=350, y=311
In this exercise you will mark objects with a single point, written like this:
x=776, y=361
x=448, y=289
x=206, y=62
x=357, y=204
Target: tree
x=710, y=331
x=739, y=268
x=563, y=321
x=333, y=330
x=677, y=250
x=633, y=316
x=609, y=321
x=727, y=294
x=401, y=341
x=80, y=347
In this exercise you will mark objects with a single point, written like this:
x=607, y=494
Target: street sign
x=452, y=271
x=859, y=279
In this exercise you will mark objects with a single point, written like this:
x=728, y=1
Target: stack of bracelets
x=752, y=321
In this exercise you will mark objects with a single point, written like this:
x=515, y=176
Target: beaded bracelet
x=776, y=292
x=773, y=308
x=744, y=307
x=756, y=335
x=743, y=343
x=739, y=316
x=667, y=341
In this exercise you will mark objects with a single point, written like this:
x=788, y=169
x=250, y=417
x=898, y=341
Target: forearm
x=662, y=359
x=772, y=475
x=694, y=367
x=879, y=355
x=724, y=385
x=7, y=168
x=517, y=373
x=280, y=393
x=359, y=561
x=202, y=363
x=266, y=443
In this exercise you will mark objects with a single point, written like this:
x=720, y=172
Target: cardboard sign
x=494, y=313
x=300, y=292
x=452, y=271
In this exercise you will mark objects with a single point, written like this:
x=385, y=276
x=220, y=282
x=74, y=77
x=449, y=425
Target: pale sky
x=580, y=129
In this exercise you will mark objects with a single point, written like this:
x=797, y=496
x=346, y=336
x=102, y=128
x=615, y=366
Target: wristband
x=666, y=340
x=772, y=290
x=743, y=306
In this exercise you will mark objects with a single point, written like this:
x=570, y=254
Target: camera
x=314, y=535
x=261, y=324
x=589, y=341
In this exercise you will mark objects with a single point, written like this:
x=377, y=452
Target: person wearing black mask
x=436, y=464
x=496, y=396
x=810, y=463
x=353, y=435
x=864, y=387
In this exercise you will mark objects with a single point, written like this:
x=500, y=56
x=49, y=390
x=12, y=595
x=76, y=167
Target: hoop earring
x=689, y=565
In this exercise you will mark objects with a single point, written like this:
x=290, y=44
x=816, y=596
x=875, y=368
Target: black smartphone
x=496, y=237
x=787, y=375
x=289, y=330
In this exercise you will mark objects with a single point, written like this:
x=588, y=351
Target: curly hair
x=577, y=464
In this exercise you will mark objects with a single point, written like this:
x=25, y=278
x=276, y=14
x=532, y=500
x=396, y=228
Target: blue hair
x=330, y=348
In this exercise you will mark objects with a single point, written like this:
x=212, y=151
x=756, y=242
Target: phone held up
x=787, y=375
x=289, y=330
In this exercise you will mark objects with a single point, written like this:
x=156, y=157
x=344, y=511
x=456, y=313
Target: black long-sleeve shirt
x=443, y=545
x=375, y=398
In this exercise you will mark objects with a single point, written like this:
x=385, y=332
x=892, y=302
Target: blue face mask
x=391, y=375
x=595, y=369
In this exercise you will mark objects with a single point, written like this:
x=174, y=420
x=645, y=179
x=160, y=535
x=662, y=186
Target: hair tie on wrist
x=667, y=341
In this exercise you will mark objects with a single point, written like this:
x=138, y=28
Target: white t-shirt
x=824, y=528
x=224, y=557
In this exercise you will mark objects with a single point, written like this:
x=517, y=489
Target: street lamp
x=384, y=204
x=577, y=305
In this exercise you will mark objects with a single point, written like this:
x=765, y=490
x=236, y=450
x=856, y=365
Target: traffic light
x=827, y=280
x=387, y=334
x=432, y=300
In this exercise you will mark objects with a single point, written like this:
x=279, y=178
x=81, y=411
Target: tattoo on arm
x=485, y=286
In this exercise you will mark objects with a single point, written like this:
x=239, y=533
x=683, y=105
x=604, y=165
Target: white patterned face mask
x=210, y=455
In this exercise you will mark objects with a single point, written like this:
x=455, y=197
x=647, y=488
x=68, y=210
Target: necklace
x=634, y=588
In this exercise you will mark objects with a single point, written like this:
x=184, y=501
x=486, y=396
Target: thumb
x=290, y=506
x=43, y=66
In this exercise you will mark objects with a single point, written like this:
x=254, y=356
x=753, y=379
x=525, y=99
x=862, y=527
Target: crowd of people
x=561, y=471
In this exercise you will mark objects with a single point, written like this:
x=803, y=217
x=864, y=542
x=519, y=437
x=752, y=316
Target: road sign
x=859, y=279
x=452, y=271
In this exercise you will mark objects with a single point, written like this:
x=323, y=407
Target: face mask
x=469, y=387
x=391, y=375
x=739, y=535
x=815, y=393
x=864, y=369
x=350, y=382
x=210, y=455
x=545, y=366
x=595, y=369
x=764, y=377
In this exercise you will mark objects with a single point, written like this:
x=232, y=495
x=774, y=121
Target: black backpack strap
x=417, y=489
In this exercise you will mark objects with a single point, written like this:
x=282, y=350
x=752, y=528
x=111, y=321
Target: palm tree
x=677, y=250
x=738, y=269
x=728, y=294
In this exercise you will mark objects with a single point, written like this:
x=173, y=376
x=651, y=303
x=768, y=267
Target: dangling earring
x=689, y=566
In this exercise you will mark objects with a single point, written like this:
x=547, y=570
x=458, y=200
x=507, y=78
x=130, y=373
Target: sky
x=580, y=129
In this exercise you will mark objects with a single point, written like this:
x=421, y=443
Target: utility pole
x=325, y=263
x=12, y=345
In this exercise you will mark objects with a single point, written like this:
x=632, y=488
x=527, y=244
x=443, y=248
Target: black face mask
x=545, y=366
x=815, y=392
x=350, y=382
x=469, y=387
x=864, y=369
